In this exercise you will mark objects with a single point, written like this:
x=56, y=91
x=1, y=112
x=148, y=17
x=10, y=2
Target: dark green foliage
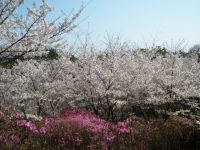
x=73, y=58
x=176, y=133
x=184, y=54
x=161, y=50
x=9, y=63
x=51, y=55
x=195, y=50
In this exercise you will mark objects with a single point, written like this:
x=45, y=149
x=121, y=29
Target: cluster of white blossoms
x=99, y=80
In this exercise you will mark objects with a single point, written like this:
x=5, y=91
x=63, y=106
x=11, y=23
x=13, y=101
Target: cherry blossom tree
x=25, y=37
x=31, y=34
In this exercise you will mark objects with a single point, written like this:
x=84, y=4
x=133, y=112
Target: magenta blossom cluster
x=102, y=130
x=31, y=126
x=77, y=128
x=83, y=119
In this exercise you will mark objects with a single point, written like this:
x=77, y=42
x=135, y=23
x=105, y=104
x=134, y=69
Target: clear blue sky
x=137, y=20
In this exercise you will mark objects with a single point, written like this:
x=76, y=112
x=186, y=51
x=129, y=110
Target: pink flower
x=17, y=114
x=1, y=114
x=110, y=138
x=31, y=126
x=43, y=130
x=21, y=122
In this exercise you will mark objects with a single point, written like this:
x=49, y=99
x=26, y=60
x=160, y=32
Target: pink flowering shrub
x=78, y=129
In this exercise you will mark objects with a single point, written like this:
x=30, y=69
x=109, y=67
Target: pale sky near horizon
x=137, y=20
